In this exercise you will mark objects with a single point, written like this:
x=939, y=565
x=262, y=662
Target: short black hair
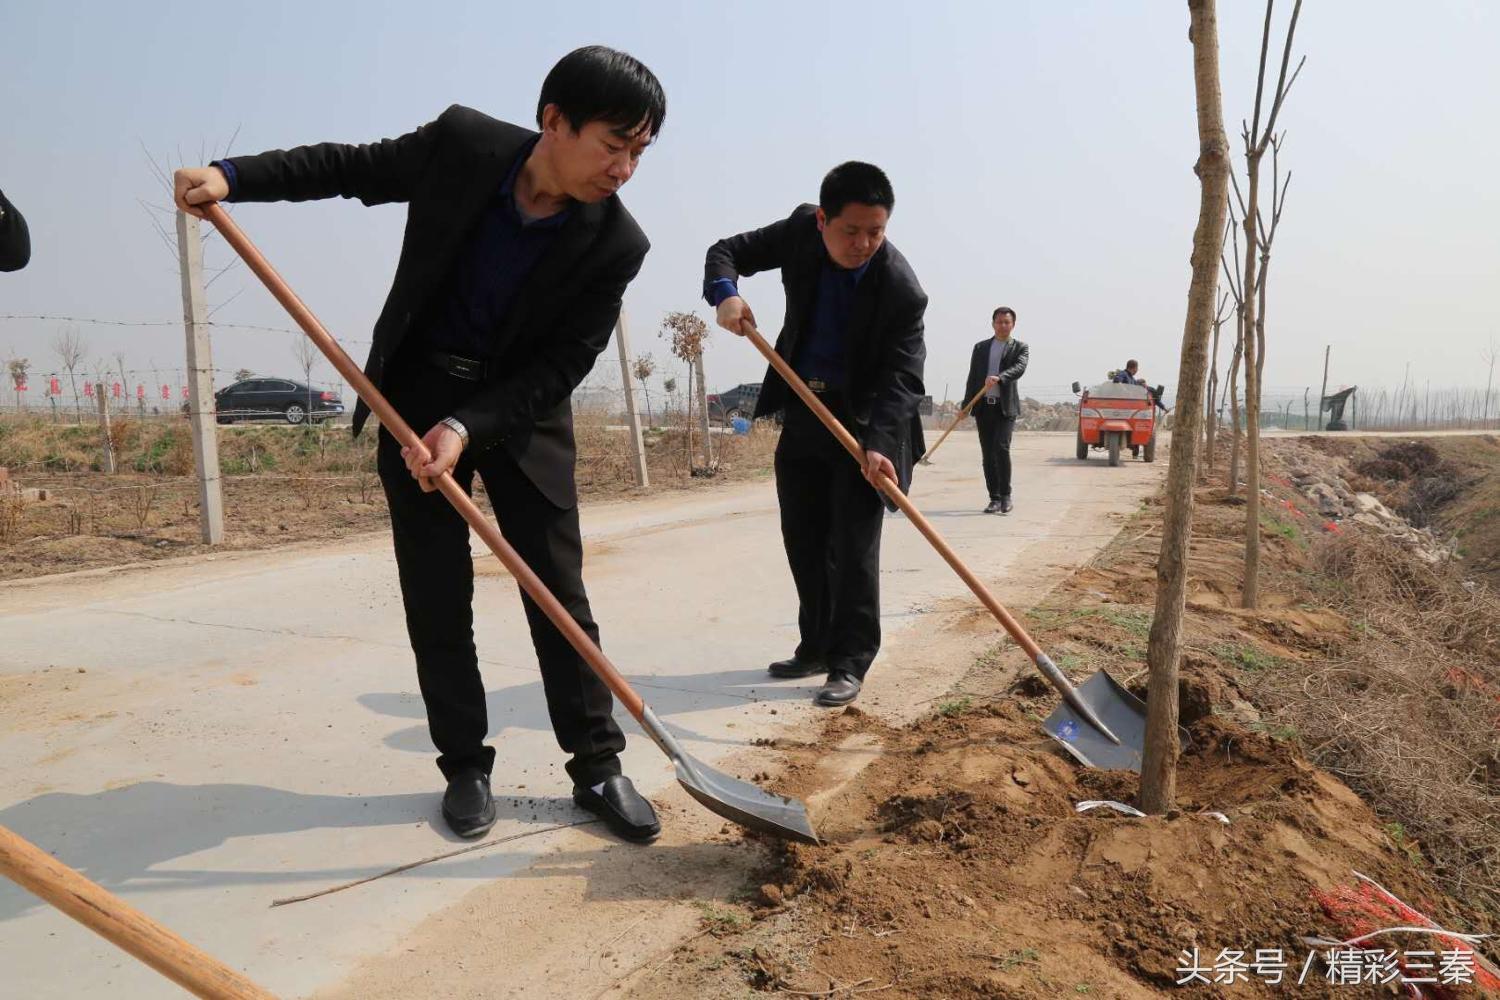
x=1003, y=309
x=597, y=83
x=1132, y=363
x=855, y=183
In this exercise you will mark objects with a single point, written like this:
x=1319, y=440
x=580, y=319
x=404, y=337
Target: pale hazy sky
x=1041, y=154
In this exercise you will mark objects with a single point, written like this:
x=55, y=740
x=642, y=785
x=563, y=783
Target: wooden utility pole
x=632, y=415
x=1326, y=351
x=200, y=375
x=1164, y=647
x=105, y=442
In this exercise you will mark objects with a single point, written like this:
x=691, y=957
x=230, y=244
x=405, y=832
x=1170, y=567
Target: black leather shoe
x=622, y=809
x=797, y=668
x=468, y=807
x=1005, y=505
x=993, y=508
x=839, y=689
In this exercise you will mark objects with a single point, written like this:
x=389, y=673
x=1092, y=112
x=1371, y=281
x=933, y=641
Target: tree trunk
x=708, y=440
x=1250, y=590
x=1234, y=400
x=688, y=424
x=1159, y=767
x=1210, y=420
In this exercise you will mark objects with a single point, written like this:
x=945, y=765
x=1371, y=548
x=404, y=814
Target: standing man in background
x=853, y=331
x=516, y=257
x=997, y=364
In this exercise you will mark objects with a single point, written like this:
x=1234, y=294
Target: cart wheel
x=1083, y=447
x=1114, y=448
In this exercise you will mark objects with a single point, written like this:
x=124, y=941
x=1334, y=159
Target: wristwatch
x=453, y=424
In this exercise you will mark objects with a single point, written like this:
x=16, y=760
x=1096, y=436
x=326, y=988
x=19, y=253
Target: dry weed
x=1410, y=718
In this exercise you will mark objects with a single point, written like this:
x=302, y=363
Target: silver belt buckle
x=465, y=368
x=817, y=385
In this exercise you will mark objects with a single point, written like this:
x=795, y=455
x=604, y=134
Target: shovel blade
x=738, y=801
x=1117, y=708
x=741, y=802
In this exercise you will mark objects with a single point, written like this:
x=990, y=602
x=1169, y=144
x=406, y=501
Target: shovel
x=927, y=458
x=1100, y=723
x=735, y=800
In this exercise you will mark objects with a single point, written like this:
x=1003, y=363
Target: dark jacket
x=887, y=351
x=447, y=171
x=15, y=238
x=1012, y=366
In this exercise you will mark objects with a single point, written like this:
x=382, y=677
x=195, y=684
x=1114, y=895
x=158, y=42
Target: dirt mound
x=958, y=865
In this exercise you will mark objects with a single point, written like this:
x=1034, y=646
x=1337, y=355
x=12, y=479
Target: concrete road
x=205, y=736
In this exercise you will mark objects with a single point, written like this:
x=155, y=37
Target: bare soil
x=281, y=485
x=957, y=864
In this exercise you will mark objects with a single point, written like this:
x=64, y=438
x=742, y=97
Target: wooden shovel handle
x=956, y=421
x=889, y=488
x=386, y=414
x=121, y=924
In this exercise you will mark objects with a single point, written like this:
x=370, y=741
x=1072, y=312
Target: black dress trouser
x=995, y=431
x=830, y=524
x=437, y=589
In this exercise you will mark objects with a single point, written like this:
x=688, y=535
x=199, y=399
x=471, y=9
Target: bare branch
x=221, y=272
x=1281, y=83
x=1235, y=282
x=221, y=305
x=1222, y=312
x=161, y=172
x=167, y=240
x=1260, y=76
x=1237, y=196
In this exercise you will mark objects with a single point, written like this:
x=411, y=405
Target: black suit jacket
x=447, y=171
x=15, y=238
x=1012, y=366
x=887, y=351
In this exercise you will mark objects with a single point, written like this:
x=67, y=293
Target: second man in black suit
x=996, y=366
x=853, y=331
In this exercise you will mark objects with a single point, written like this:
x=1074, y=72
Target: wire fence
x=155, y=390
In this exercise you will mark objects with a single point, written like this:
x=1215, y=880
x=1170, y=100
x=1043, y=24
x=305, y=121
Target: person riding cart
x=1128, y=376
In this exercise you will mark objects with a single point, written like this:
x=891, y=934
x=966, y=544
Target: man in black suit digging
x=516, y=257
x=852, y=331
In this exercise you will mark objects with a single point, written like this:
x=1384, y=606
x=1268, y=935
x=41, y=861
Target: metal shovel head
x=741, y=802
x=1117, y=708
x=738, y=801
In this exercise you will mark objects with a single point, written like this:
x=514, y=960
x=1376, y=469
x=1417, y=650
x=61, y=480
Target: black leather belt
x=468, y=369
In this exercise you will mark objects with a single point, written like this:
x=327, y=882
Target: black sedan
x=724, y=407
x=275, y=399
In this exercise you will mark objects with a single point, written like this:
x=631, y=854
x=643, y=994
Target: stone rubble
x=1316, y=476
